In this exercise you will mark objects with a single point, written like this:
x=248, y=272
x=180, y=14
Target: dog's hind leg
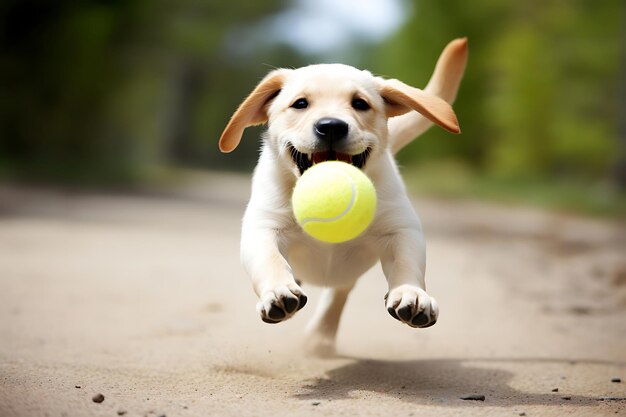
x=322, y=329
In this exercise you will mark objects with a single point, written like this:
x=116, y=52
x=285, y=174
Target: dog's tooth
x=310, y=156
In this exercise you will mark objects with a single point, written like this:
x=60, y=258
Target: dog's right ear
x=253, y=110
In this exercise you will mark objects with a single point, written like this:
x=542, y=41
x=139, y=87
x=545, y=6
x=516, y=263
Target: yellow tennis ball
x=334, y=201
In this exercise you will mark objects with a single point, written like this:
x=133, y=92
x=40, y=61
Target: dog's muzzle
x=331, y=132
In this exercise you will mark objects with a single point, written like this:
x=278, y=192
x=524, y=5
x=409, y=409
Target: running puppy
x=336, y=112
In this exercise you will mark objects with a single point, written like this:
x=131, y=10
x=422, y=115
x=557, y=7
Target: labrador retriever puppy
x=337, y=112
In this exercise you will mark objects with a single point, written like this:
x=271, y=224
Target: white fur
x=275, y=252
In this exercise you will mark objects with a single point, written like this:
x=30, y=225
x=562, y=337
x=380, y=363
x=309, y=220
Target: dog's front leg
x=404, y=262
x=280, y=297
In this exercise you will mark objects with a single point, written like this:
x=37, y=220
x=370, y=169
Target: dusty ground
x=142, y=298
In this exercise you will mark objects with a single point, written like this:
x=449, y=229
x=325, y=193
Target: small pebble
x=473, y=397
x=76, y=386
x=522, y=414
x=98, y=398
x=316, y=403
x=555, y=390
x=121, y=412
x=617, y=380
x=567, y=397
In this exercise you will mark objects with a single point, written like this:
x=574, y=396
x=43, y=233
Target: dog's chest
x=330, y=265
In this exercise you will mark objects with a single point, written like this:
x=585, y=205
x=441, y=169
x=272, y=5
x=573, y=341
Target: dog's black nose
x=330, y=129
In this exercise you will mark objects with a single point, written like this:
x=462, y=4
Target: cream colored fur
x=275, y=252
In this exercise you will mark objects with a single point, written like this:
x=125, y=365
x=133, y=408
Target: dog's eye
x=301, y=103
x=360, y=104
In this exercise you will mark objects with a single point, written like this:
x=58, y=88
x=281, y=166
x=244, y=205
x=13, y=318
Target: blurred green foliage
x=111, y=91
x=540, y=96
x=107, y=91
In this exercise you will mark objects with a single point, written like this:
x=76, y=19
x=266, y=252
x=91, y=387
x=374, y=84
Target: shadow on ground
x=438, y=382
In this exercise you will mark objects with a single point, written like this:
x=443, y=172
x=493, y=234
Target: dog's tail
x=444, y=83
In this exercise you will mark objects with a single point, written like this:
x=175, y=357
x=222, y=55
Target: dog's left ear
x=401, y=98
x=253, y=110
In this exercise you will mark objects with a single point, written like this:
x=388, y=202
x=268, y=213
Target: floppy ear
x=401, y=98
x=253, y=110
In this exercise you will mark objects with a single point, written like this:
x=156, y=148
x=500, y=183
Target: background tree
x=103, y=90
x=110, y=91
x=540, y=97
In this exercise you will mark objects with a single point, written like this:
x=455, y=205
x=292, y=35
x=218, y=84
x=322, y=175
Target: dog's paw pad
x=281, y=303
x=290, y=304
x=413, y=306
x=392, y=312
x=302, y=301
x=405, y=313
x=276, y=313
x=420, y=320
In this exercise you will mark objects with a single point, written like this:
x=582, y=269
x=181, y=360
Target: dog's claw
x=392, y=312
x=303, y=300
x=420, y=320
x=432, y=323
x=405, y=313
x=269, y=321
x=413, y=306
x=290, y=304
x=276, y=313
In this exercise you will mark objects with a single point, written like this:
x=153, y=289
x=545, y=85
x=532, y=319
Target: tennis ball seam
x=340, y=215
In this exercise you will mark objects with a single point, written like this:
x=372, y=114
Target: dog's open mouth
x=305, y=161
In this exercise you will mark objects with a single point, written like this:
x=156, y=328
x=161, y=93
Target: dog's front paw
x=281, y=303
x=412, y=305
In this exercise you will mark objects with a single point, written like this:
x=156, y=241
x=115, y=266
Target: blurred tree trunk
x=620, y=168
x=185, y=80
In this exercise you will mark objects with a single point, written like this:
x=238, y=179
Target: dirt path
x=143, y=299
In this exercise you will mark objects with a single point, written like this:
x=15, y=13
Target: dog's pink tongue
x=318, y=157
x=344, y=157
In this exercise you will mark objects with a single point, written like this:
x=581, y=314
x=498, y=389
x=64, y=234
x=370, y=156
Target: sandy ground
x=141, y=297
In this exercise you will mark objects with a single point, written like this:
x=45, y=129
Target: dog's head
x=329, y=112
